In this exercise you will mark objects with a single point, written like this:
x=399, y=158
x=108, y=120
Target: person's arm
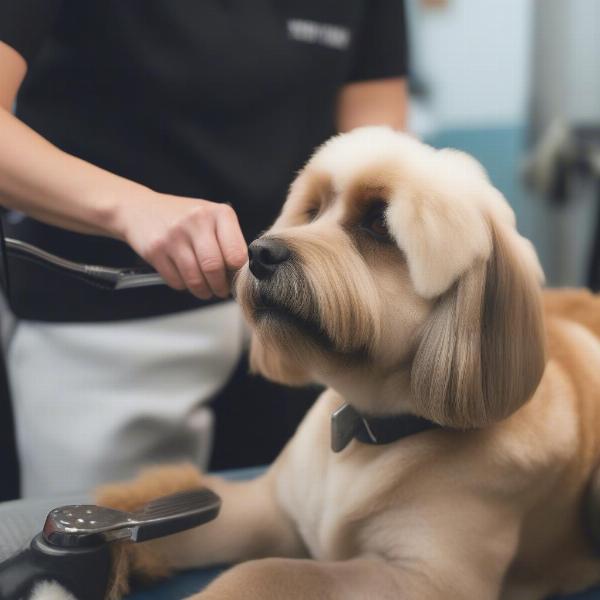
x=376, y=89
x=376, y=102
x=192, y=243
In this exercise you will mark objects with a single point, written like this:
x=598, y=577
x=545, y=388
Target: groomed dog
x=395, y=276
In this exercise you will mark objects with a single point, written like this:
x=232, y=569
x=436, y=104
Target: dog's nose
x=266, y=255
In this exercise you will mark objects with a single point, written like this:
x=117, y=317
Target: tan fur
x=482, y=355
x=446, y=319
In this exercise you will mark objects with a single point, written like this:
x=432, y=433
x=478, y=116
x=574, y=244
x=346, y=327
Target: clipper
x=74, y=547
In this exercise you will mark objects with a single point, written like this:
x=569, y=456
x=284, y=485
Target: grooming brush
x=109, y=278
x=74, y=547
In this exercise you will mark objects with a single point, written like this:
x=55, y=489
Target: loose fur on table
x=405, y=288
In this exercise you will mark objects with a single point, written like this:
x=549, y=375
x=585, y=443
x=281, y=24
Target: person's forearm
x=53, y=186
x=193, y=243
x=376, y=102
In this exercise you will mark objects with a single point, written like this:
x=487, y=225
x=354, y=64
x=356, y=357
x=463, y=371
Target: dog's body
x=468, y=514
x=403, y=295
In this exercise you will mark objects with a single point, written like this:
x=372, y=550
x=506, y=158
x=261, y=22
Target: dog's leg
x=251, y=525
x=463, y=557
x=363, y=578
x=293, y=579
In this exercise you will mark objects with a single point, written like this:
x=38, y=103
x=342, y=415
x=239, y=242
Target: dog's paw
x=144, y=561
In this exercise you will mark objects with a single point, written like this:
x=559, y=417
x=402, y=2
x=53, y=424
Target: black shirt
x=216, y=99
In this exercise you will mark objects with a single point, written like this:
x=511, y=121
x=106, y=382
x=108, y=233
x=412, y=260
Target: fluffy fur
x=50, y=590
x=408, y=289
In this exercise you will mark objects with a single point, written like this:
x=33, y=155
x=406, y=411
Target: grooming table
x=186, y=584
x=21, y=520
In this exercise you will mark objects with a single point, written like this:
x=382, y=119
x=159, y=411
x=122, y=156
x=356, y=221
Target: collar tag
x=348, y=424
x=345, y=424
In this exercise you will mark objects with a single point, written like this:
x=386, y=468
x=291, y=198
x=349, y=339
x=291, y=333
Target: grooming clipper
x=74, y=547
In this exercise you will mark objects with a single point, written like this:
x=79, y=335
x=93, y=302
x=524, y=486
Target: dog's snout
x=266, y=255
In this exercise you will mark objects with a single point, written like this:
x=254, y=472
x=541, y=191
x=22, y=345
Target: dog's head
x=396, y=275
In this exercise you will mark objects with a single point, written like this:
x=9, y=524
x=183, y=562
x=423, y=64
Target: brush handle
x=81, y=525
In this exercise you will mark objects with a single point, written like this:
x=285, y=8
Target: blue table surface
x=190, y=582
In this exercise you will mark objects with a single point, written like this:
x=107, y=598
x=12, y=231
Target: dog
x=395, y=277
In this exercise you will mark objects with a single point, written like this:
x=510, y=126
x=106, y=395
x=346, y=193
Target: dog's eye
x=375, y=225
x=311, y=214
x=378, y=226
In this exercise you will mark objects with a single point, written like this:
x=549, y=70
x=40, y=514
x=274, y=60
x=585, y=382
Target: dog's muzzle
x=266, y=256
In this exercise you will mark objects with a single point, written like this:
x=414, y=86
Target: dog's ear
x=482, y=352
x=275, y=366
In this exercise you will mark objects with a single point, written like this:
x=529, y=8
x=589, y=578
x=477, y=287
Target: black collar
x=348, y=424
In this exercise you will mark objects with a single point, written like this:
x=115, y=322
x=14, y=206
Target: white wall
x=474, y=56
x=585, y=68
x=566, y=72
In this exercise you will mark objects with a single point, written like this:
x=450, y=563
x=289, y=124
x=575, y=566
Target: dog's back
x=572, y=319
x=578, y=305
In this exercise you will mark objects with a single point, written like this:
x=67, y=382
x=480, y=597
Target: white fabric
x=50, y=590
x=93, y=402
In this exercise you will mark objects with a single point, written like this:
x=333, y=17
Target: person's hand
x=192, y=243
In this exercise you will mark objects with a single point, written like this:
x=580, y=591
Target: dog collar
x=348, y=424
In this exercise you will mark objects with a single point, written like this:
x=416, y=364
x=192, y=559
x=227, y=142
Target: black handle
x=108, y=278
x=84, y=572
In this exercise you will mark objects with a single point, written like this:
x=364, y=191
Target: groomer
x=153, y=129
